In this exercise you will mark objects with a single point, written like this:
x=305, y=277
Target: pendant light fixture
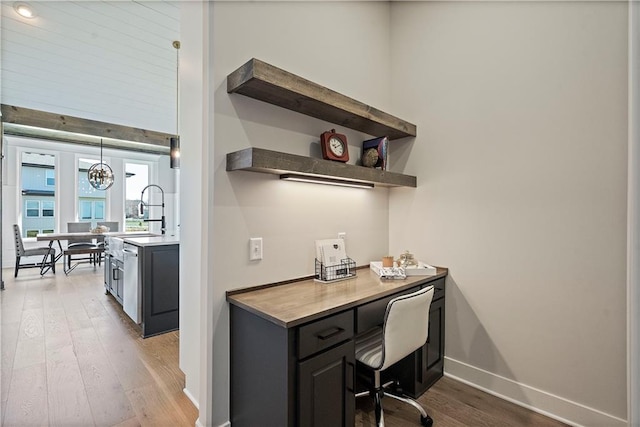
x=100, y=174
x=174, y=154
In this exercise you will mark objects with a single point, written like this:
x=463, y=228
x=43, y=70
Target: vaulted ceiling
x=111, y=61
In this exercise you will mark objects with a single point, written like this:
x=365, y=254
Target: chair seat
x=38, y=251
x=80, y=245
x=369, y=348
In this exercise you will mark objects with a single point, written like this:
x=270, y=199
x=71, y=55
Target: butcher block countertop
x=292, y=303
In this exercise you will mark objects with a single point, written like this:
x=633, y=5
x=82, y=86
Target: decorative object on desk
x=387, y=261
x=387, y=272
x=332, y=262
x=407, y=260
x=381, y=147
x=100, y=174
x=174, y=142
x=334, y=146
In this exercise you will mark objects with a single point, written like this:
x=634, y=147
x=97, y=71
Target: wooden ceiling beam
x=55, y=126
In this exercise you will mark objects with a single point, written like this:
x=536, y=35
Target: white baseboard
x=540, y=401
x=191, y=398
x=199, y=424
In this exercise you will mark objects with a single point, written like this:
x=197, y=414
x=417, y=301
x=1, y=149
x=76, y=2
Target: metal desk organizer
x=327, y=274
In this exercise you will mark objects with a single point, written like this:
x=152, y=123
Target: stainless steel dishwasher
x=132, y=289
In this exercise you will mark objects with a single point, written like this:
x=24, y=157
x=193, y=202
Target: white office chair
x=405, y=329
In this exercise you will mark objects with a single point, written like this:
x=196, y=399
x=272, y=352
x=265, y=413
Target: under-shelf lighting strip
x=323, y=180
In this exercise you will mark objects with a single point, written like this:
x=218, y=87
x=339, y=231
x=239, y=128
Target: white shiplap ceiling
x=111, y=61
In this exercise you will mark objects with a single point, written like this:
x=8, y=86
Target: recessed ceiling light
x=24, y=10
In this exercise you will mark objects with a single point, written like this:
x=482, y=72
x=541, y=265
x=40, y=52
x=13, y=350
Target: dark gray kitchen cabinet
x=326, y=388
x=113, y=277
x=160, y=279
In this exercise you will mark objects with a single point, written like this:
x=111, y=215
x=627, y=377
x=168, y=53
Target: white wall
x=521, y=161
x=288, y=216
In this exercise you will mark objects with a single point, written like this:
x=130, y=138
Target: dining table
x=59, y=237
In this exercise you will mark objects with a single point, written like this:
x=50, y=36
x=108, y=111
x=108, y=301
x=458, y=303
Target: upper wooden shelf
x=274, y=162
x=263, y=81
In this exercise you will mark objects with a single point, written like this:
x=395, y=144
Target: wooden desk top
x=292, y=304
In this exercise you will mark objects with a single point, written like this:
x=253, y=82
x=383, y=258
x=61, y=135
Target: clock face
x=336, y=146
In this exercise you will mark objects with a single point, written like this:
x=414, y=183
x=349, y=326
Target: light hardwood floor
x=71, y=357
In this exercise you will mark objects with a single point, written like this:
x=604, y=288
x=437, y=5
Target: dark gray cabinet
x=300, y=376
x=113, y=276
x=326, y=384
x=303, y=374
x=159, y=268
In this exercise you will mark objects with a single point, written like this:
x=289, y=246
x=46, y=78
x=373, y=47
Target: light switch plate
x=255, y=248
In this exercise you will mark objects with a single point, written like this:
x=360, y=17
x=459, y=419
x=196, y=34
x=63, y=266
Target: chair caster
x=426, y=421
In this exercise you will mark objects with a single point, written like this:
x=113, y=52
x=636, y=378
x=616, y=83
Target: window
x=137, y=178
x=89, y=210
x=37, y=182
x=50, y=179
x=86, y=210
x=99, y=209
x=47, y=208
x=91, y=202
x=32, y=208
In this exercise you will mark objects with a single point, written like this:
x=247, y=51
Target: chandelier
x=100, y=174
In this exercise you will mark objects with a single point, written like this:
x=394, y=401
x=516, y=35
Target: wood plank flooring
x=71, y=357
x=453, y=404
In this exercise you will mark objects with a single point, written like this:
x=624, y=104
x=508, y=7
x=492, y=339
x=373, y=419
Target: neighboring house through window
x=91, y=202
x=38, y=193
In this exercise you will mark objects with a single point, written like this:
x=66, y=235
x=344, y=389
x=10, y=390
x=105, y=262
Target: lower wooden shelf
x=277, y=163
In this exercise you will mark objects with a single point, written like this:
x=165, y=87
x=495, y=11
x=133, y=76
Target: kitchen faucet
x=142, y=205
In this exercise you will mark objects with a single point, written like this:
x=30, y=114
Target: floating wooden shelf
x=263, y=81
x=274, y=162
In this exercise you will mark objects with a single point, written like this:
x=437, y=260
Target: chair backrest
x=406, y=325
x=18, y=240
x=77, y=227
x=112, y=225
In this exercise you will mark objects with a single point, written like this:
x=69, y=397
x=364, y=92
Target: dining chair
x=43, y=251
x=405, y=329
x=79, y=246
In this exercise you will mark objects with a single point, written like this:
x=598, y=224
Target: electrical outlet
x=342, y=235
x=255, y=248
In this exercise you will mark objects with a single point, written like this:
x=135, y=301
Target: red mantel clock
x=334, y=146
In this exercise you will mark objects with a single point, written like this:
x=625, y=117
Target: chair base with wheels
x=378, y=391
x=405, y=329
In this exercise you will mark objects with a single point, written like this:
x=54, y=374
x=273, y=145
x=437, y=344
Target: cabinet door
x=325, y=388
x=432, y=354
x=120, y=274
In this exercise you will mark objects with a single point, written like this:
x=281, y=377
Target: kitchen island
x=144, y=277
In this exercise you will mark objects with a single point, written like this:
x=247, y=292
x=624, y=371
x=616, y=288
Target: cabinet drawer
x=372, y=314
x=324, y=333
x=438, y=288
